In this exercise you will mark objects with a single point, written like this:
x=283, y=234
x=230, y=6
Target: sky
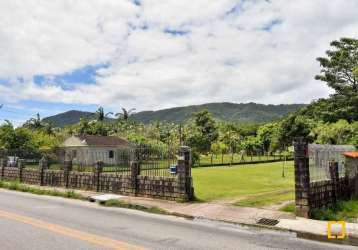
x=60, y=55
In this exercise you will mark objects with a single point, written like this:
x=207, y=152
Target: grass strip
x=266, y=199
x=289, y=208
x=17, y=186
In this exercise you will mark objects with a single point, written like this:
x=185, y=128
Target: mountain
x=69, y=118
x=239, y=112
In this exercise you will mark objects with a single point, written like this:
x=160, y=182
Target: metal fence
x=157, y=161
x=239, y=158
x=152, y=160
x=321, y=155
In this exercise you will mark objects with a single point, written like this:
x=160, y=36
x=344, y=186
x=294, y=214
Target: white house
x=88, y=149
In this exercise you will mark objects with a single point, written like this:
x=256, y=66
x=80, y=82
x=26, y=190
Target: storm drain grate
x=267, y=222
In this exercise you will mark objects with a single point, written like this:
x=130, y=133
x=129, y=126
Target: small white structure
x=88, y=149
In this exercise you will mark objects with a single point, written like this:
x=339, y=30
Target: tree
x=340, y=71
x=219, y=148
x=205, y=133
x=17, y=141
x=125, y=114
x=294, y=126
x=340, y=132
x=35, y=123
x=339, y=68
x=84, y=127
x=100, y=115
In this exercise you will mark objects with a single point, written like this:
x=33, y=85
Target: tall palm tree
x=125, y=114
x=100, y=115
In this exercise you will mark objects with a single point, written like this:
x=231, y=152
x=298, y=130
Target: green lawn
x=253, y=185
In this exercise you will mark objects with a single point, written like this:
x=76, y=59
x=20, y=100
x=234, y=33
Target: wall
x=89, y=155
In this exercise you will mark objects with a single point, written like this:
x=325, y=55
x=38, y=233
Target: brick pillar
x=97, y=175
x=3, y=164
x=302, y=177
x=21, y=166
x=184, y=173
x=43, y=165
x=135, y=171
x=67, y=168
x=333, y=170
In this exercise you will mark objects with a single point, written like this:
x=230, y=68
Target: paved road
x=37, y=222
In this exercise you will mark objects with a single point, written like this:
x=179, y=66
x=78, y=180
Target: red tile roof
x=97, y=140
x=351, y=154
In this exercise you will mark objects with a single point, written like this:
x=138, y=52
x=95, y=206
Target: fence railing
x=149, y=172
x=238, y=159
x=152, y=161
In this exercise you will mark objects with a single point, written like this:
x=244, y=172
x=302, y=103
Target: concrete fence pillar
x=302, y=177
x=98, y=169
x=184, y=172
x=333, y=171
x=21, y=166
x=3, y=164
x=67, y=168
x=135, y=171
x=43, y=165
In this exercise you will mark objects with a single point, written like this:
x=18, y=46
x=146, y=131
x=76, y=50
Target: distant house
x=88, y=149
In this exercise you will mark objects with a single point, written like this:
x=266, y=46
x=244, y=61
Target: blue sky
x=148, y=54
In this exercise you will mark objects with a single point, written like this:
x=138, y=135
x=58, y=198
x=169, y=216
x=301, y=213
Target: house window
x=111, y=154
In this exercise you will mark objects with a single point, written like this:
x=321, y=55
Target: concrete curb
x=349, y=240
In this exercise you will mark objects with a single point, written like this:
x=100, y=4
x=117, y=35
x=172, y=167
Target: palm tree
x=101, y=115
x=125, y=114
x=35, y=123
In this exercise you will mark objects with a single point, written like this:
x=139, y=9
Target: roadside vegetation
x=17, y=186
x=343, y=210
x=70, y=194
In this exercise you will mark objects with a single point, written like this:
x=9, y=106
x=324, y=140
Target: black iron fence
x=146, y=171
x=212, y=160
x=152, y=160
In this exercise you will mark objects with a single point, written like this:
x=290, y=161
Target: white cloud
x=224, y=54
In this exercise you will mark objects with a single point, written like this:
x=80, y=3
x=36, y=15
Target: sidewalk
x=305, y=228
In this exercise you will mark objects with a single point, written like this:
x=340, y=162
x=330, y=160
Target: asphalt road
x=38, y=222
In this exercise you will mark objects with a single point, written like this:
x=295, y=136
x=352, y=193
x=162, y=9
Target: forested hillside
x=243, y=112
